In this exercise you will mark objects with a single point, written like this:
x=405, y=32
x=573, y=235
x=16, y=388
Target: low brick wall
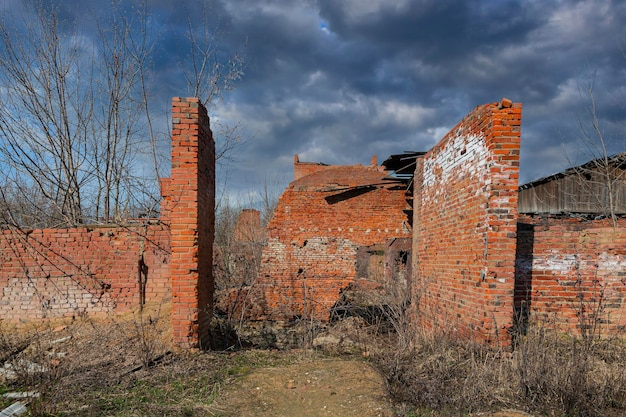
x=84, y=270
x=571, y=272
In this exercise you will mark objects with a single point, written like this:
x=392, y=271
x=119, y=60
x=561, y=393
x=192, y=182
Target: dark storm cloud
x=440, y=31
x=338, y=81
x=344, y=80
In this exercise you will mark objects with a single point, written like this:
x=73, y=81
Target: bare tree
x=46, y=117
x=117, y=137
x=602, y=178
x=21, y=204
x=240, y=237
x=72, y=108
x=77, y=121
x=209, y=76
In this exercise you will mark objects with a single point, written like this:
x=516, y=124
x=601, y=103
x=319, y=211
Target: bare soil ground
x=315, y=387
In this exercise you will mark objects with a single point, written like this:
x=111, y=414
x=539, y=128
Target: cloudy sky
x=338, y=81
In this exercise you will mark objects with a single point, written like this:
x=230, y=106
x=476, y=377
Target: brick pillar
x=191, y=204
x=248, y=226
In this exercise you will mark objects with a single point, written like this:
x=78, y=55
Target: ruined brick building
x=444, y=224
x=104, y=269
x=443, y=227
x=571, y=247
x=449, y=229
x=326, y=217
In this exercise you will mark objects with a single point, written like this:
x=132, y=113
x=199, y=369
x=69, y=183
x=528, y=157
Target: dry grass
x=442, y=374
x=120, y=366
x=563, y=375
x=547, y=373
x=125, y=366
x=75, y=357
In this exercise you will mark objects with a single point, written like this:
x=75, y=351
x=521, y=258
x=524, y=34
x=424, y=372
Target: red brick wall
x=465, y=213
x=567, y=266
x=191, y=203
x=61, y=272
x=84, y=270
x=320, y=222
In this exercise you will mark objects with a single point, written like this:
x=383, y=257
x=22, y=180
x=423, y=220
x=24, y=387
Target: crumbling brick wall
x=302, y=169
x=83, y=270
x=95, y=269
x=571, y=273
x=321, y=220
x=465, y=213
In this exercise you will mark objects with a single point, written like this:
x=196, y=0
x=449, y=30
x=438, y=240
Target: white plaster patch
x=563, y=262
x=554, y=262
x=463, y=156
x=611, y=263
x=275, y=250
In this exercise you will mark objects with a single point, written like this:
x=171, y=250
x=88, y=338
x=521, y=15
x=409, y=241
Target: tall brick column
x=191, y=192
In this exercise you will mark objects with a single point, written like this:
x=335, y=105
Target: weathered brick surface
x=84, y=270
x=321, y=220
x=572, y=272
x=465, y=213
x=191, y=205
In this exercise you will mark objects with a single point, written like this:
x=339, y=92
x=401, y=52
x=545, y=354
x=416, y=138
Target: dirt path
x=314, y=387
x=326, y=387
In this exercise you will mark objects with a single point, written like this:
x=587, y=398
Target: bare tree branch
x=77, y=122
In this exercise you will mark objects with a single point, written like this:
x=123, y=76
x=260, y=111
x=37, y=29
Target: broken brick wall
x=571, y=272
x=302, y=169
x=312, y=240
x=465, y=214
x=96, y=269
x=84, y=270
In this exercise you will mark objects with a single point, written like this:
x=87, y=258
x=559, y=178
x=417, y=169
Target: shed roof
x=618, y=161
